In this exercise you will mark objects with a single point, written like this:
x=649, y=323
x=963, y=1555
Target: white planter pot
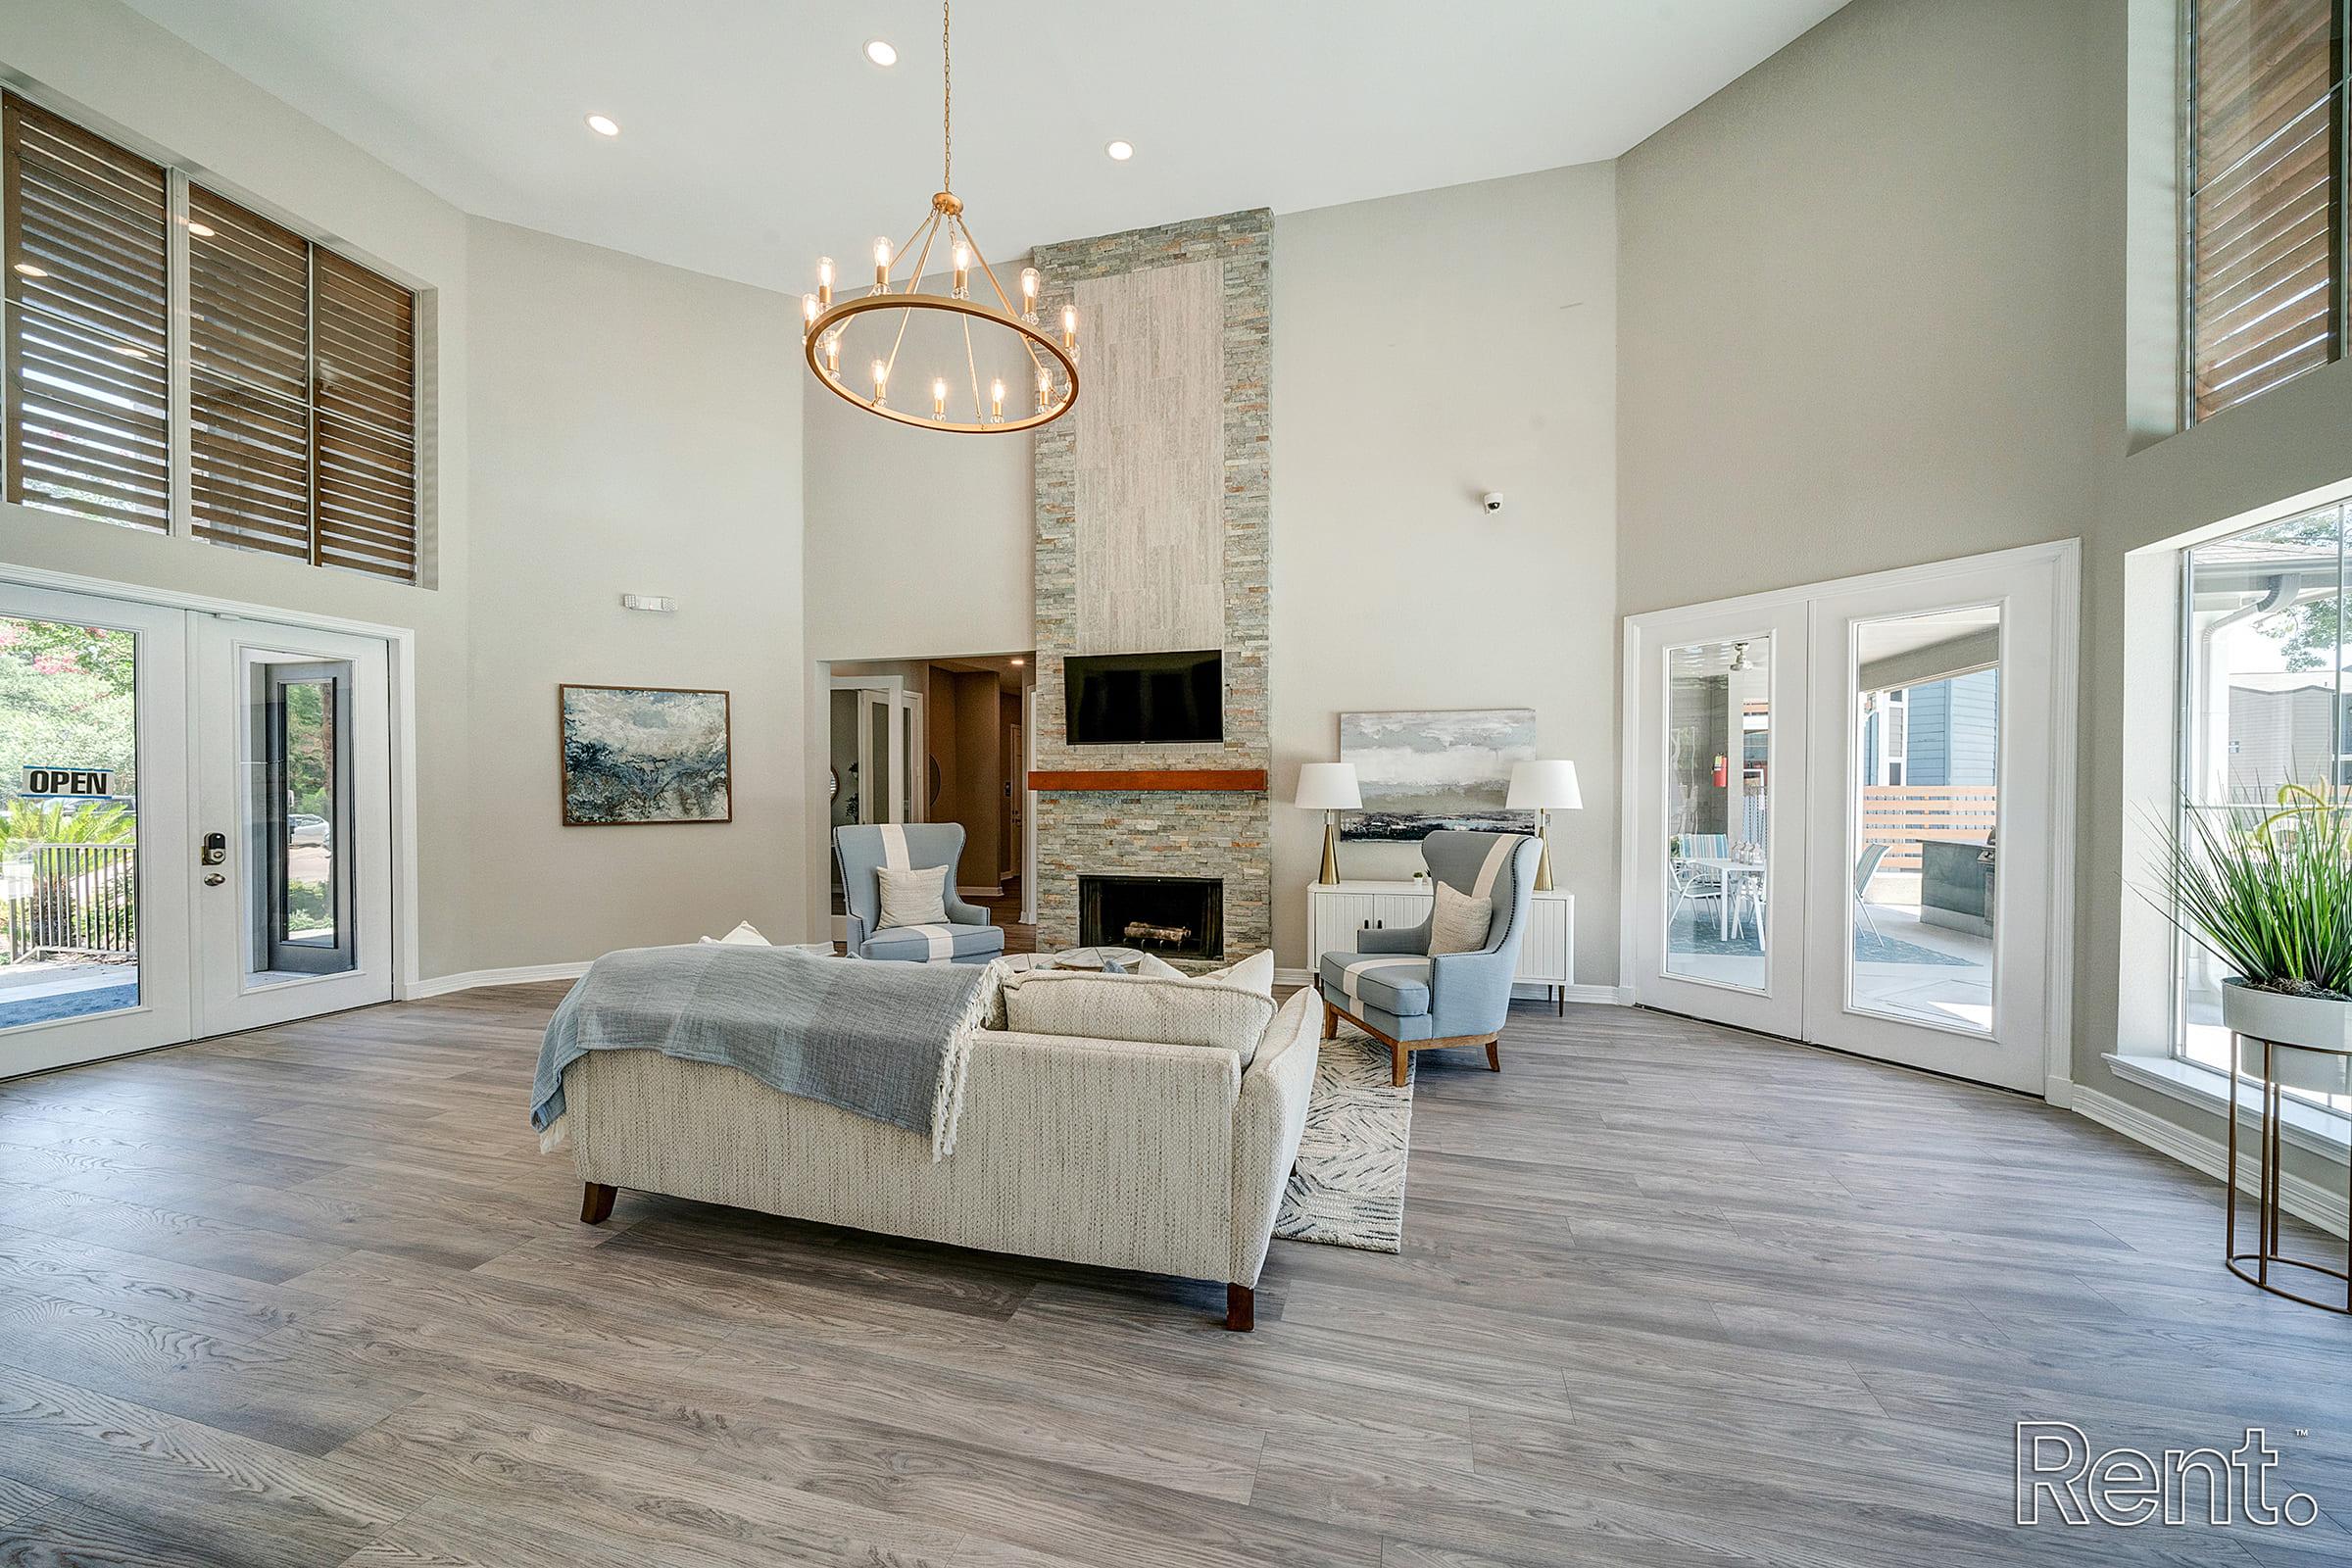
x=2321, y=1024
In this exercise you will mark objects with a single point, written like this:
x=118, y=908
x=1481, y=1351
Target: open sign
x=70, y=783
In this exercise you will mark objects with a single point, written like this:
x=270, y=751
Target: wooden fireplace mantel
x=1173, y=778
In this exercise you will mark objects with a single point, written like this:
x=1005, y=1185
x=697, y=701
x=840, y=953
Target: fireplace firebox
x=1172, y=916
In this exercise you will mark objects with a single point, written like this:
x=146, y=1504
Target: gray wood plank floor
x=1669, y=1296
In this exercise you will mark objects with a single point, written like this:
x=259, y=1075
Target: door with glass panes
x=194, y=826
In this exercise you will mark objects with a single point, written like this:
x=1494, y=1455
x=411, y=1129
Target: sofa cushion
x=1212, y=1014
x=931, y=943
x=1395, y=983
x=745, y=935
x=913, y=897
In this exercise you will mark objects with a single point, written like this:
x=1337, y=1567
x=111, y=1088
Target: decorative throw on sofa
x=887, y=1041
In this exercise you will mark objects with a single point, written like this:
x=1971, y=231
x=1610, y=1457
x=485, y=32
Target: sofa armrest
x=1268, y=1121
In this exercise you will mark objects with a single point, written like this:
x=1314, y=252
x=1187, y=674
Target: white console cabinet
x=1337, y=912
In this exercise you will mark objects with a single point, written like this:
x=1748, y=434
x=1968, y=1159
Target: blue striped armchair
x=966, y=938
x=1394, y=991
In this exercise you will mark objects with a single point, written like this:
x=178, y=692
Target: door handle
x=213, y=879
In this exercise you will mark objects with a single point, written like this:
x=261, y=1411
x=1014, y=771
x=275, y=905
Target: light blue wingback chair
x=967, y=938
x=1391, y=990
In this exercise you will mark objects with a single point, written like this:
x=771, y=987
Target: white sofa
x=1139, y=1155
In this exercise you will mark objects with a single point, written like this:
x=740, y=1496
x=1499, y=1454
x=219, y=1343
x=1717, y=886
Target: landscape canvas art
x=1421, y=772
x=638, y=755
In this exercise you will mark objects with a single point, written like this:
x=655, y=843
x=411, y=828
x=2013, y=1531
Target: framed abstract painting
x=634, y=755
x=1421, y=770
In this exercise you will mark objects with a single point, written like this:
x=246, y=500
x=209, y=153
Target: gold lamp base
x=1544, y=864
x=1331, y=850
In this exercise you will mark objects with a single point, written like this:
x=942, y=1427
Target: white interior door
x=1719, y=724
x=1935, y=769
x=293, y=862
x=94, y=801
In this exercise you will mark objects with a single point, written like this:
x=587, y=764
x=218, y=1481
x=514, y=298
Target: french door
x=195, y=825
x=1847, y=817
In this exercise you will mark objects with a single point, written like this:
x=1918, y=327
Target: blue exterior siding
x=1955, y=730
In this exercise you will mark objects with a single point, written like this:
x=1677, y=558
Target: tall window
x=2268, y=701
x=298, y=428
x=2265, y=148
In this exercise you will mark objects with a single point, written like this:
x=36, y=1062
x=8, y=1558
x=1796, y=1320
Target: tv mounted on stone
x=1145, y=698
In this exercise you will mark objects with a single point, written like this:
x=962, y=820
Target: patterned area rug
x=1348, y=1189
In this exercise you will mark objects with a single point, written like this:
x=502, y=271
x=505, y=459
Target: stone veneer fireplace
x=1153, y=505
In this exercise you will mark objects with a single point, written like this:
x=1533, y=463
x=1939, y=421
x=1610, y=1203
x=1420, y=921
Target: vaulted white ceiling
x=754, y=135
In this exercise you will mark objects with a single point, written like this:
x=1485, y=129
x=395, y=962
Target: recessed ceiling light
x=880, y=52
x=1120, y=151
x=200, y=230
x=604, y=125
x=28, y=270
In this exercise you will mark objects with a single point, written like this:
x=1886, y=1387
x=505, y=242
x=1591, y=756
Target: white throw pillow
x=745, y=935
x=1253, y=974
x=913, y=898
x=1460, y=922
x=1201, y=1012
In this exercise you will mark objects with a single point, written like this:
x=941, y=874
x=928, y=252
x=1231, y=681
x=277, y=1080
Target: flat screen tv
x=1145, y=698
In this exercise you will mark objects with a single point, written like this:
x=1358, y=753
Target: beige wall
x=1886, y=300
x=103, y=64
x=630, y=427
x=1428, y=348
x=636, y=429
x=1392, y=589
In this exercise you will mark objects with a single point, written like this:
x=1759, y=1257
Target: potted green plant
x=2269, y=891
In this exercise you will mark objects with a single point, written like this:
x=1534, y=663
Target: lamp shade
x=1328, y=787
x=1547, y=786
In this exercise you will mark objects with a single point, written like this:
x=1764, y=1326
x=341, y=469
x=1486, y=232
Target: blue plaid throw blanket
x=883, y=1039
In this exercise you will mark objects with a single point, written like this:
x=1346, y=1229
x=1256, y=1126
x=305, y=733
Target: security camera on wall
x=1491, y=501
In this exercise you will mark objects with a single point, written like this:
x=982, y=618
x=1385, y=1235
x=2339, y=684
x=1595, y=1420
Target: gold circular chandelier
x=825, y=322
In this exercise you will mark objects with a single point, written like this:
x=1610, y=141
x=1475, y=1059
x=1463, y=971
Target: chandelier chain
x=947, y=104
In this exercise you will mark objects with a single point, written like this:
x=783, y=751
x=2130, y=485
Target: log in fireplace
x=1173, y=916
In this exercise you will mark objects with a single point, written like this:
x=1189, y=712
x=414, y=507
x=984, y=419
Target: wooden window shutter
x=249, y=377
x=2266, y=203
x=87, y=387
x=364, y=394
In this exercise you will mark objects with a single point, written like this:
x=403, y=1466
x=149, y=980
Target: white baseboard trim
x=979, y=889
x=1602, y=995
x=2307, y=1201
x=474, y=979
x=2059, y=1091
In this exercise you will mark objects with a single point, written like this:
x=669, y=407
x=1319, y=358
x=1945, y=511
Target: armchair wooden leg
x=1495, y=1055
x=1398, y=1059
x=596, y=1203
x=1331, y=1021
x=1241, y=1308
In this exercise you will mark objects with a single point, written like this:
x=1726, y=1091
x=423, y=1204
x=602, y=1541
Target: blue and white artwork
x=637, y=754
x=1424, y=770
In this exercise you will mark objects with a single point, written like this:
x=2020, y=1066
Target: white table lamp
x=1329, y=787
x=1543, y=787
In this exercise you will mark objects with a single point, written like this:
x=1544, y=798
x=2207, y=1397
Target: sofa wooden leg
x=1331, y=1021
x=1493, y=1056
x=1398, y=1059
x=596, y=1203
x=1241, y=1308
